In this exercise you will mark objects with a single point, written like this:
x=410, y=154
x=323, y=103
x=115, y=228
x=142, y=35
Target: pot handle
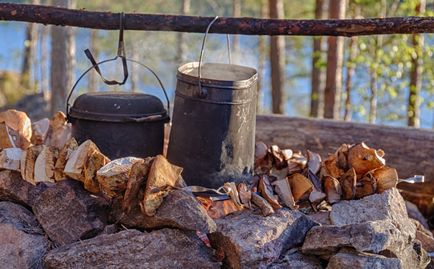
x=109, y=60
x=202, y=93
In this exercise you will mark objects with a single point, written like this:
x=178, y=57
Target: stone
x=413, y=257
x=354, y=260
x=68, y=213
x=297, y=261
x=164, y=248
x=373, y=237
x=322, y=217
x=388, y=205
x=14, y=189
x=22, y=240
x=414, y=213
x=179, y=209
x=253, y=241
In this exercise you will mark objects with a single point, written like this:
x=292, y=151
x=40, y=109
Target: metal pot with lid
x=120, y=123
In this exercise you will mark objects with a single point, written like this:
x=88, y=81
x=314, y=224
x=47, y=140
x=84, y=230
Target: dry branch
x=196, y=24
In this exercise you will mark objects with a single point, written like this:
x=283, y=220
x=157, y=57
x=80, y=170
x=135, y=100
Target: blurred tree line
x=376, y=79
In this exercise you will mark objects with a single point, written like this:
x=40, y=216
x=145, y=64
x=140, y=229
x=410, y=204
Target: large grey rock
x=353, y=260
x=373, y=236
x=164, y=248
x=386, y=206
x=68, y=213
x=22, y=241
x=179, y=209
x=297, y=261
x=14, y=189
x=254, y=241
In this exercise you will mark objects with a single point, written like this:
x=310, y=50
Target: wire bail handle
x=203, y=93
x=120, y=54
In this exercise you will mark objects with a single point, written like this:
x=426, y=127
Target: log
x=224, y=25
x=409, y=150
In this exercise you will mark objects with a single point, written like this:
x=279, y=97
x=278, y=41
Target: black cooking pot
x=120, y=123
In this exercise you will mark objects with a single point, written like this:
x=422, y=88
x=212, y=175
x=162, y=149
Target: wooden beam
x=196, y=24
x=409, y=150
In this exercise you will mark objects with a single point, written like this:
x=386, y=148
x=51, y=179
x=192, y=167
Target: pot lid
x=118, y=107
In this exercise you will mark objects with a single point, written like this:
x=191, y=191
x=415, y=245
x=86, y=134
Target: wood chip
x=314, y=162
x=263, y=205
x=16, y=131
x=40, y=131
x=78, y=158
x=300, y=185
x=332, y=189
x=348, y=184
x=44, y=165
x=162, y=177
x=266, y=191
x=63, y=157
x=245, y=194
x=60, y=131
x=95, y=162
x=366, y=186
x=218, y=209
x=386, y=178
x=28, y=160
x=330, y=167
x=283, y=190
x=10, y=159
x=364, y=159
x=232, y=191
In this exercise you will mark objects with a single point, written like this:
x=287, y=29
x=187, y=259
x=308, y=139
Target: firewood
x=78, y=158
x=94, y=163
x=218, y=209
x=28, y=160
x=63, y=157
x=348, y=184
x=300, y=185
x=136, y=181
x=60, y=131
x=263, y=205
x=40, y=131
x=10, y=159
x=16, y=131
x=386, y=178
x=113, y=176
x=162, y=177
x=266, y=191
x=232, y=191
x=314, y=161
x=316, y=197
x=245, y=194
x=44, y=165
x=261, y=151
x=283, y=190
x=364, y=159
x=367, y=185
x=330, y=167
x=332, y=189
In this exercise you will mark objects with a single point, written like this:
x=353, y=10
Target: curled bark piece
x=314, y=162
x=16, y=131
x=266, y=191
x=348, y=184
x=300, y=185
x=245, y=194
x=44, y=165
x=330, y=167
x=263, y=205
x=10, y=159
x=283, y=190
x=113, y=176
x=332, y=189
x=366, y=186
x=161, y=179
x=232, y=191
x=386, y=178
x=28, y=160
x=364, y=159
x=136, y=181
x=63, y=157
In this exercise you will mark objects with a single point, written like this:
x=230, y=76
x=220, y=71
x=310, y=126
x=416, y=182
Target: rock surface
x=386, y=206
x=297, y=261
x=164, y=248
x=68, y=213
x=22, y=241
x=373, y=237
x=13, y=188
x=254, y=241
x=179, y=210
x=353, y=260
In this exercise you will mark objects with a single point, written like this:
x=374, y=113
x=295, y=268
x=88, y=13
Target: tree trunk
x=44, y=76
x=262, y=59
x=277, y=61
x=62, y=61
x=317, y=76
x=236, y=13
x=351, y=67
x=134, y=75
x=332, y=92
x=29, y=52
x=181, y=49
x=413, y=109
x=92, y=82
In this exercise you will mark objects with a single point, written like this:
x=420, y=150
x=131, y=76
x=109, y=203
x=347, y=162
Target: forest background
x=384, y=79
